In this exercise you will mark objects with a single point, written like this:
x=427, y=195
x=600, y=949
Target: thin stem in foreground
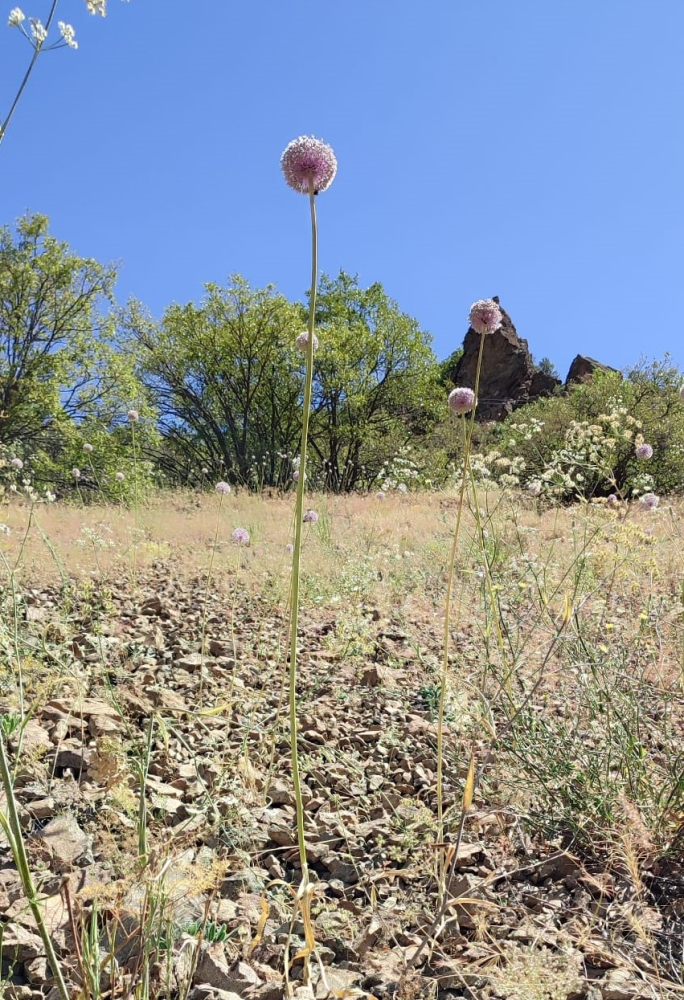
x=22, y=86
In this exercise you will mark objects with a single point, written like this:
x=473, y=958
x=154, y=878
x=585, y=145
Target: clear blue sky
x=529, y=149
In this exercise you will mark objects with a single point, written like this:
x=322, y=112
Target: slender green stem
x=22, y=86
x=12, y=828
x=206, y=598
x=447, y=612
x=296, y=557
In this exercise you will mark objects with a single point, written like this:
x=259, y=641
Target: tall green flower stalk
x=309, y=166
x=485, y=317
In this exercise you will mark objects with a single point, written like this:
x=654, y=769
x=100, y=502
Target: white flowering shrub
x=587, y=443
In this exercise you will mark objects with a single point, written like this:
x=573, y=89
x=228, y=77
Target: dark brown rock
x=582, y=369
x=509, y=376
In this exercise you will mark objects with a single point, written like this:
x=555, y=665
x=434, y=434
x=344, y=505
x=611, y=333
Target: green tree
x=376, y=381
x=59, y=367
x=225, y=381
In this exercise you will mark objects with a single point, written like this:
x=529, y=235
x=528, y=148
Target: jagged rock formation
x=509, y=376
x=582, y=368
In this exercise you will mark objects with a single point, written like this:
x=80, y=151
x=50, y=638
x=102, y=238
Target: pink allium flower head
x=205, y=470
x=119, y=477
x=76, y=473
x=87, y=447
x=240, y=536
x=223, y=488
x=461, y=400
x=643, y=451
x=612, y=500
x=302, y=342
x=17, y=463
x=133, y=416
x=289, y=548
x=649, y=501
x=310, y=517
x=380, y=495
x=295, y=475
x=485, y=316
x=308, y=159
x=534, y=488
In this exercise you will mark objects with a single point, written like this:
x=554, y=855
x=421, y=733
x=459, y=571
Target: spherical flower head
x=205, y=470
x=119, y=477
x=306, y=161
x=380, y=495
x=310, y=517
x=295, y=475
x=612, y=500
x=289, y=548
x=485, y=316
x=87, y=447
x=16, y=16
x=649, y=501
x=643, y=451
x=76, y=473
x=133, y=416
x=17, y=463
x=461, y=400
x=240, y=536
x=302, y=342
x=534, y=488
x=222, y=488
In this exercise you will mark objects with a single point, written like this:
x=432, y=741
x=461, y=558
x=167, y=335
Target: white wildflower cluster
x=399, y=474
x=16, y=17
x=498, y=467
x=67, y=33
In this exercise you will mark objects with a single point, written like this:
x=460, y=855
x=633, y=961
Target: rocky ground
x=121, y=694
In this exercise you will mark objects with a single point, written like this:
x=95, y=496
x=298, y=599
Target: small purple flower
x=223, y=488
x=485, y=316
x=295, y=475
x=643, y=451
x=310, y=517
x=306, y=161
x=289, y=548
x=76, y=473
x=461, y=400
x=87, y=447
x=240, y=536
x=119, y=477
x=612, y=500
x=17, y=463
x=133, y=416
x=534, y=488
x=380, y=495
x=649, y=501
x=302, y=342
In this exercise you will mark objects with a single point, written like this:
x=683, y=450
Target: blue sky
x=529, y=149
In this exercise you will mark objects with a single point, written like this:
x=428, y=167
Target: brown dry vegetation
x=565, y=684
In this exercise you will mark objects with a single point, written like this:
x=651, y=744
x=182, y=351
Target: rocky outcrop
x=509, y=376
x=582, y=369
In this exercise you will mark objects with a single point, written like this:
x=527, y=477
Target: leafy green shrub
x=582, y=443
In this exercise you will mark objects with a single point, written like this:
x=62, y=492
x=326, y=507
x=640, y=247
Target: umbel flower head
x=302, y=342
x=16, y=16
x=76, y=473
x=133, y=416
x=485, y=316
x=223, y=488
x=120, y=477
x=643, y=451
x=310, y=517
x=87, y=447
x=308, y=161
x=461, y=400
x=240, y=536
x=17, y=463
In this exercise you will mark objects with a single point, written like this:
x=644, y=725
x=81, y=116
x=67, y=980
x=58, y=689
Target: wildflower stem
x=12, y=828
x=22, y=86
x=447, y=616
x=296, y=557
